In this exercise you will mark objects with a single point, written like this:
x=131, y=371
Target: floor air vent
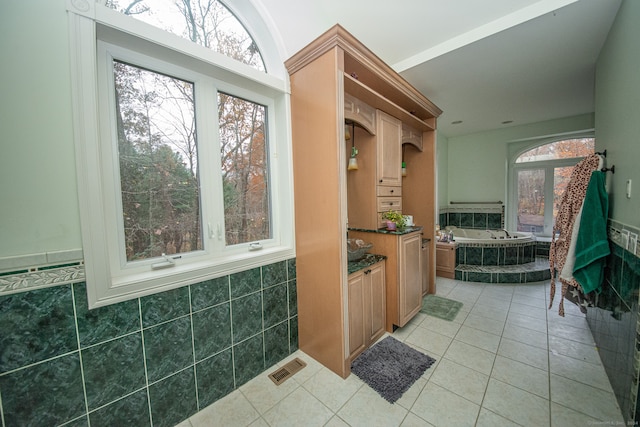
x=284, y=373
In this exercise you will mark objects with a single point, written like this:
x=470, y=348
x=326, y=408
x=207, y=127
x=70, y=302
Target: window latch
x=168, y=262
x=255, y=246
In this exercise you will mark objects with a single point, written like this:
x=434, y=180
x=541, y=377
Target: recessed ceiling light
x=506, y=122
x=457, y=122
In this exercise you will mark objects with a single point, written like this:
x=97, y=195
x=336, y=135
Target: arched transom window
x=208, y=23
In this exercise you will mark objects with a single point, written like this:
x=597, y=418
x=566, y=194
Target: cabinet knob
x=380, y=180
x=391, y=191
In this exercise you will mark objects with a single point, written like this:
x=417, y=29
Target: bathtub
x=498, y=237
x=493, y=247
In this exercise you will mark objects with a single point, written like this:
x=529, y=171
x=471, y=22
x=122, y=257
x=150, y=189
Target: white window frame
x=96, y=35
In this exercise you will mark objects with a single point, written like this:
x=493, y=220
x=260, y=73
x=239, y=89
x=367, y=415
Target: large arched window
x=540, y=176
x=184, y=155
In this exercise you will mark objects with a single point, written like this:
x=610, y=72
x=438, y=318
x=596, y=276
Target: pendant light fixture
x=353, y=161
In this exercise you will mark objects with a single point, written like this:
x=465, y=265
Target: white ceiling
x=480, y=62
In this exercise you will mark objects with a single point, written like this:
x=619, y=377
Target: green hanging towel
x=592, y=245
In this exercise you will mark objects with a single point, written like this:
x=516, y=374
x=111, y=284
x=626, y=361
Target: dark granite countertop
x=405, y=230
x=366, y=261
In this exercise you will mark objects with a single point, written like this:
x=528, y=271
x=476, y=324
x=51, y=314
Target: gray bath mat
x=444, y=308
x=391, y=367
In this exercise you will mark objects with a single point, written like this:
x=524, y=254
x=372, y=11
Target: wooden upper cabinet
x=389, y=159
x=411, y=136
x=359, y=112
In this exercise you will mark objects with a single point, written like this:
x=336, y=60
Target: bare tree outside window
x=536, y=167
x=205, y=22
x=158, y=156
x=158, y=161
x=243, y=149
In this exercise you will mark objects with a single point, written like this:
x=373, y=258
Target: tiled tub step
x=523, y=273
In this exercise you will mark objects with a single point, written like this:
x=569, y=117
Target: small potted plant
x=394, y=220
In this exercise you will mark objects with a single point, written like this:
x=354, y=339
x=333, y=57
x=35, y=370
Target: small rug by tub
x=390, y=367
x=443, y=308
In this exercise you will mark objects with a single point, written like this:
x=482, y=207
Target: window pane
x=245, y=177
x=566, y=149
x=531, y=200
x=205, y=22
x=561, y=178
x=158, y=162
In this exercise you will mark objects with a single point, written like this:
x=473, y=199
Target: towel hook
x=612, y=169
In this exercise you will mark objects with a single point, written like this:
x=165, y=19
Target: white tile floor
x=504, y=361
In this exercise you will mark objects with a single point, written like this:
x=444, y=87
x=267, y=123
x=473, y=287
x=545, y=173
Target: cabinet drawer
x=386, y=203
x=384, y=190
x=359, y=112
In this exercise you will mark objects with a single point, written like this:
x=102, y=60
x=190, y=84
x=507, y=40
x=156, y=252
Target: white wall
x=477, y=163
x=618, y=111
x=39, y=204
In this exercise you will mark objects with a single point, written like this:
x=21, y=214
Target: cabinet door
x=425, y=268
x=357, y=310
x=389, y=162
x=378, y=302
x=410, y=289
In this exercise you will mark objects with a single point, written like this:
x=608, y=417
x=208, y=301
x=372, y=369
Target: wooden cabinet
x=389, y=159
x=426, y=282
x=410, y=277
x=376, y=187
x=411, y=136
x=322, y=77
x=403, y=276
x=366, y=308
x=446, y=260
x=357, y=111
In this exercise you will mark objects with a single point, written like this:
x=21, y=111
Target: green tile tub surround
x=480, y=220
x=47, y=368
x=454, y=219
x=494, y=221
x=466, y=220
x=490, y=256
